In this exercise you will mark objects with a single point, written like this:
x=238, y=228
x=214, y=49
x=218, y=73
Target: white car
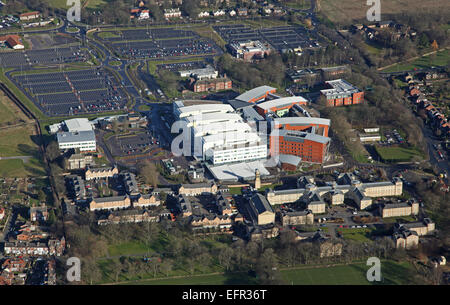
x=355, y=213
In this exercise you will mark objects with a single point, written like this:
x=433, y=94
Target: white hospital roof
x=242, y=170
x=254, y=93
x=81, y=124
x=81, y=136
x=208, y=118
x=301, y=121
x=220, y=127
x=281, y=102
x=230, y=138
x=206, y=108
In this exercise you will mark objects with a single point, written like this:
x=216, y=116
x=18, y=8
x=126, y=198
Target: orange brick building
x=308, y=146
x=306, y=124
x=341, y=93
x=211, y=84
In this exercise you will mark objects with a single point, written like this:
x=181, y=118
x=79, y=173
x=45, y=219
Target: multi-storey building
x=310, y=147
x=110, y=203
x=83, y=140
x=342, y=93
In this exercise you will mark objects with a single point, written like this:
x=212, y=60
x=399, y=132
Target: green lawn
x=393, y=273
x=128, y=248
x=62, y=4
x=439, y=59
x=397, y=154
x=361, y=235
x=16, y=168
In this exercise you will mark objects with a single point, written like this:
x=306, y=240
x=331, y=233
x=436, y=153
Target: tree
x=166, y=266
x=52, y=151
x=41, y=196
x=225, y=257
x=149, y=172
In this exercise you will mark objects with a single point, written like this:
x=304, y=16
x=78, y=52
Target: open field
x=62, y=4
x=397, y=154
x=18, y=141
x=10, y=114
x=441, y=58
x=347, y=11
x=353, y=274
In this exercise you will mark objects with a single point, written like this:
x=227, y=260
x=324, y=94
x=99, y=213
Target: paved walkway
x=23, y=158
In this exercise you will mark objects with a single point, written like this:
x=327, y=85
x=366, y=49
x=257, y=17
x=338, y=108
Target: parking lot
x=159, y=43
x=280, y=37
x=137, y=143
x=73, y=92
x=165, y=48
x=179, y=66
x=26, y=59
x=392, y=137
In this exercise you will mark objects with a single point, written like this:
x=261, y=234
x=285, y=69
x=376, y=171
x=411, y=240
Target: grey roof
x=301, y=121
x=257, y=92
x=281, y=102
x=251, y=114
x=290, y=159
x=299, y=136
x=236, y=104
x=109, y=199
x=81, y=136
x=260, y=204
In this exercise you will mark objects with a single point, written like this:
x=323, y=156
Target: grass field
x=361, y=235
x=348, y=11
x=62, y=4
x=17, y=168
x=393, y=273
x=438, y=59
x=128, y=248
x=10, y=113
x=397, y=154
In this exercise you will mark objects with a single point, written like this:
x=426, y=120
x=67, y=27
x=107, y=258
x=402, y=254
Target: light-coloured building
x=100, y=173
x=404, y=238
x=79, y=161
x=222, y=222
x=129, y=216
x=83, y=140
x=204, y=73
x=421, y=228
x=411, y=207
x=110, y=203
x=197, y=189
x=146, y=200
x=260, y=210
x=348, y=184
x=293, y=218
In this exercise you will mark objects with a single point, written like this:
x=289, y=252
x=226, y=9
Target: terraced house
x=110, y=203
x=101, y=173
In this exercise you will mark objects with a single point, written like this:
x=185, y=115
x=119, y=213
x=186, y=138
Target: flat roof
x=231, y=138
x=301, y=121
x=290, y=159
x=299, y=136
x=255, y=93
x=81, y=136
x=219, y=127
x=80, y=124
x=339, y=87
x=236, y=171
x=206, y=108
x=209, y=118
x=281, y=102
